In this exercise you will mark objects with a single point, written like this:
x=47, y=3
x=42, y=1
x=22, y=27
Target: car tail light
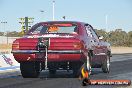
x=78, y=45
x=15, y=46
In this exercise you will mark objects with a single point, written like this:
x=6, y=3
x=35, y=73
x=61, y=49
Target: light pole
x=106, y=23
x=42, y=11
x=53, y=10
x=4, y=23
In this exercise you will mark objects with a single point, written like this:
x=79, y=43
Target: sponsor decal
x=64, y=25
x=50, y=36
x=53, y=29
x=7, y=60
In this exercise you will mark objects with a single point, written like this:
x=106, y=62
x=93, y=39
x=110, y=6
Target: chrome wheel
x=106, y=65
x=88, y=65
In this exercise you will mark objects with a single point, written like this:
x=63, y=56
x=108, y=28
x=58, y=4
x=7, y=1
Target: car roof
x=76, y=22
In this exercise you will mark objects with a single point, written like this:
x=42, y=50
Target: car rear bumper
x=53, y=55
x=49, y=51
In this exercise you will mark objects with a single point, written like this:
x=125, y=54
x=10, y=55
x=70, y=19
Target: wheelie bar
x=43, y=44
x=46, y=57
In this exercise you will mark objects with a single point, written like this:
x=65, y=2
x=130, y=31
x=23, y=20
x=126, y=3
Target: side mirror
x=86, y=24
x=101, y=37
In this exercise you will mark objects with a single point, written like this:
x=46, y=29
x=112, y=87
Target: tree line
x=11, y=34
x=117, y=37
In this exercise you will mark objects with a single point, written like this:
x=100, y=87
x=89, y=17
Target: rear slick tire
x=76, y=69
x=30, y=69
x=52, y=71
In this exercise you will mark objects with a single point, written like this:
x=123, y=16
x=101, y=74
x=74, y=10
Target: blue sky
x=119, y=12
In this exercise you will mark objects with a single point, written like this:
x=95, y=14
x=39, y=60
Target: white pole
x=4, y=25
x=42, y=11
x=106, y=22
x=53, y=10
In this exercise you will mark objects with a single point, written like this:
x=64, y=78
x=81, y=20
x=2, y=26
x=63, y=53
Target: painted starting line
x=9, y=68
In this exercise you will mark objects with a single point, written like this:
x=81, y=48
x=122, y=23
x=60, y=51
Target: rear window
x=55, y=28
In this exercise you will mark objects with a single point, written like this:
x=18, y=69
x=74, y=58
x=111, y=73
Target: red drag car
x=60, y=45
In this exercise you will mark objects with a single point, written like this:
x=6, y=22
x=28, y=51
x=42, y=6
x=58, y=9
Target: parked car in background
x=68, y=44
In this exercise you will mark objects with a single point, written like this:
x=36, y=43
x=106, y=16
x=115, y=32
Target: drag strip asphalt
x=121, y=68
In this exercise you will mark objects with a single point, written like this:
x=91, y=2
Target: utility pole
x=42, y=11
x=6, y=33
x=53, y=10
x=25, y=23
x=106, y=29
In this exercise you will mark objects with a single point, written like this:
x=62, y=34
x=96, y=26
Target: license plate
x=40, y=55
x=53, y=56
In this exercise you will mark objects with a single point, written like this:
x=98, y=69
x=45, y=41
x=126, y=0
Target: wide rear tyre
x=76, y=69
x=52, y=71
x=52, y=68
x=106, y=65
x=30, y=69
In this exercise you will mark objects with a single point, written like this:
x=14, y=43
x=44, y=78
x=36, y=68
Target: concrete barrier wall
x=4, y=39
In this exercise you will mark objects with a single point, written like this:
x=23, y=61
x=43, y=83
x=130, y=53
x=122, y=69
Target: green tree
x=118, y=37
x=1, y=33
x=129, y=40
x=13, y=34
